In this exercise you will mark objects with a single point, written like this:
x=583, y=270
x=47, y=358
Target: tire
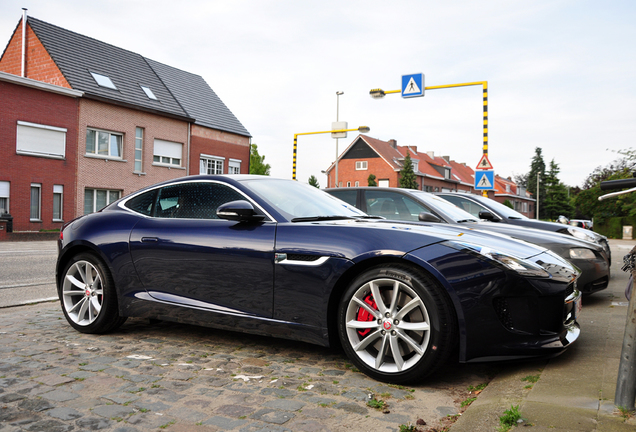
x=401, y=339
x=88, y=296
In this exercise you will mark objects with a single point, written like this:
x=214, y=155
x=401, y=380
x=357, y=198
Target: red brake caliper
x=364, y=315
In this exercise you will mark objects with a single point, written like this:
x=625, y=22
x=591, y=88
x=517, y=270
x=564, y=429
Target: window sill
x=35, y=220
x=139, y=173
x=105, y=158
x=168, y=166
x=41, y=155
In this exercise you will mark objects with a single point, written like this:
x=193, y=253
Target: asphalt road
x=27, y=272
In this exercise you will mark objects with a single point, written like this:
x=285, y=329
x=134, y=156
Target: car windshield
x=501, y=209
x=296, y=200
x=444, y=207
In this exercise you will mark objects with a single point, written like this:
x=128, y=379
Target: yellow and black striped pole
x=378, y=93
x=362, y=129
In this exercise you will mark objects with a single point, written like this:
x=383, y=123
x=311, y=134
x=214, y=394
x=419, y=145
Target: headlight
x=582, y=253
x=581, y=234
x=519, y=265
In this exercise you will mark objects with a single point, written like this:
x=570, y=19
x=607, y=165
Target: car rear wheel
x=395, y=324
x=88, y=295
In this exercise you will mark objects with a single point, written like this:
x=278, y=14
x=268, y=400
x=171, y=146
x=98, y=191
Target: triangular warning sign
x=411, y=87
x=484, y=182
x=484, y=163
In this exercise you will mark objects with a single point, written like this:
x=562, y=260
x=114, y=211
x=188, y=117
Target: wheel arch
x=343, y=282
x=74, y=250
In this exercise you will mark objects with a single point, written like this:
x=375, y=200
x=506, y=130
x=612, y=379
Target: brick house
x=508, y=190
x=38, y=132
x=385, y=159
x=135, y=122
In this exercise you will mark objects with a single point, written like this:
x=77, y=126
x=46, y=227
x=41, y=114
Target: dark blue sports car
x=280, y=258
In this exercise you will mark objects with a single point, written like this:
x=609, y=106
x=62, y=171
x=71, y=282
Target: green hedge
x=613, y=227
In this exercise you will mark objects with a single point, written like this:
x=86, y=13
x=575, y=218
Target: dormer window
x=149, y=92
x=103, y=81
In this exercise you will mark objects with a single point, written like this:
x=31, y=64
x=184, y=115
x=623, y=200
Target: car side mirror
x=240, y=210
x=487, y=215
x=428, y=217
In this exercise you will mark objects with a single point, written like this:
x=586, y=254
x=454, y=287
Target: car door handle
x=149, y=239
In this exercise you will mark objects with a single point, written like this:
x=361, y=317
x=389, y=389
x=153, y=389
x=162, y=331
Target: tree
x=313, y=181
x=371, y=180
x=556, y=200
x=407, y=175
x=586, y=201
x=507, y=203
x=257, y=162
x=537, y=169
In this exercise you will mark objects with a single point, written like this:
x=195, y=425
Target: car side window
x=466, y=205
x=142, y=203
x=393, y=205
x=198, y=200
x=348, y=196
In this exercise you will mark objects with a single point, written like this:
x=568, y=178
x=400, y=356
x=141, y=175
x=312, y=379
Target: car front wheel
x=88, y=296
x=395, y=324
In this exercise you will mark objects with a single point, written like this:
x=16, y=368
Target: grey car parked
x=423, y=207
x=489, y=209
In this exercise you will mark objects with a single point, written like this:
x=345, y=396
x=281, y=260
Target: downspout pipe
x=24, y=22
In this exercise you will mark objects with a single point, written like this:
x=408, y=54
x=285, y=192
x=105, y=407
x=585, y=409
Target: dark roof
x=77, y=56
x=198, y=99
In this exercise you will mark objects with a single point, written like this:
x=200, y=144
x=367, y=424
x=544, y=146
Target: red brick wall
x=213, y=142
x=112, y=174
x=36, y=106
x=347, y=172
x=39, y=65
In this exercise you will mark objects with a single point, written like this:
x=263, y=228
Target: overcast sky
x=560, y=72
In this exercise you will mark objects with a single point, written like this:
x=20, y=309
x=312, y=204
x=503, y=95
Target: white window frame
x=167, y=153
x=357, y=183
x=348, y=184
x=416, y=166
x=96, y=152
x=35, y=139
x=208, y=161
x=5, y=194
x=361, y=165
x=383, y=183
x=234, y=166
x=58, y=194
x=139, y=150
x=112, y=195
x=38, y=208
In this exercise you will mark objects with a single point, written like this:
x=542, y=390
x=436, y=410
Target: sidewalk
x=575, y=391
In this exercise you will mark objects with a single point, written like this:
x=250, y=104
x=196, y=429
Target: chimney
x=431, y=154
x=446, y=158
x=24, y=22
x=393, y=143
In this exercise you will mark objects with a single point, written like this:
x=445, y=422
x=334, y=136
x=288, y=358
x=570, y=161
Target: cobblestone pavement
x=172, y=377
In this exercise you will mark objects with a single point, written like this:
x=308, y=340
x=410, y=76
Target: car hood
x=435, y=233
x=547, y=239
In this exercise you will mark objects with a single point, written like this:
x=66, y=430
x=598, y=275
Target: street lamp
x=338, y=93
x=362, y=129
x=538, y=181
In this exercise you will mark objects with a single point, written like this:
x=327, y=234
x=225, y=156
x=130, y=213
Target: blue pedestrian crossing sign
x=484, y=180
x=413, y=85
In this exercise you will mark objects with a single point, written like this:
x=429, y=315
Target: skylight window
x=149, y=92
x=103, y=81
